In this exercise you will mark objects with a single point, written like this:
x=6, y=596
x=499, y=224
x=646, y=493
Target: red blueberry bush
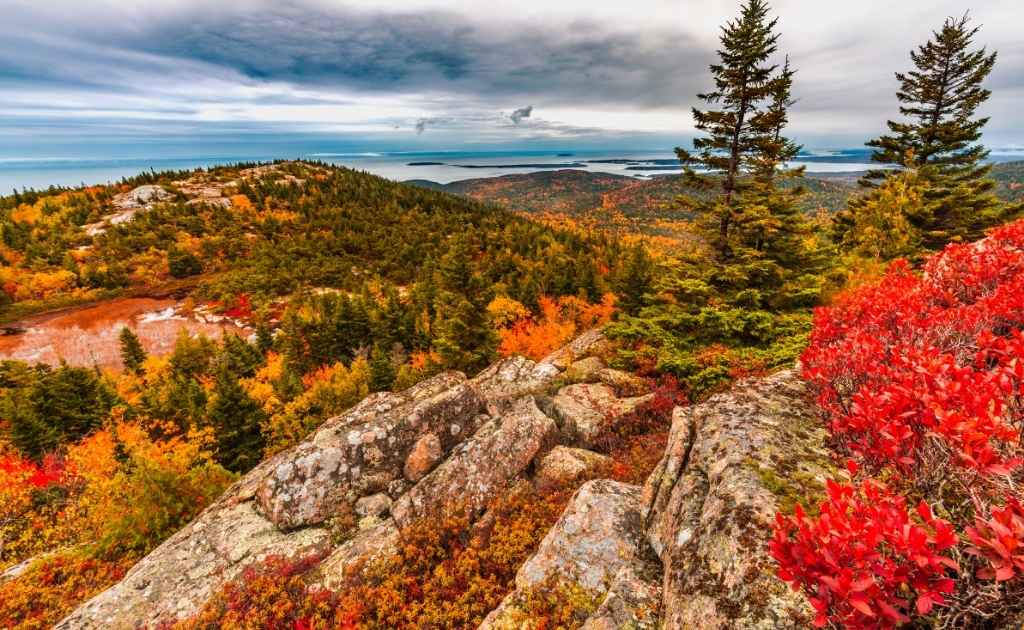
x=864, y=561
x=999, y=541
x=920, y=378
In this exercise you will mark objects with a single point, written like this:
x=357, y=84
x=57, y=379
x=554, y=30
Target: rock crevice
x=708, y=510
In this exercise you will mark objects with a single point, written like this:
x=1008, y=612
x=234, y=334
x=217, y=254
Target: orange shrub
x=445, y=575
x=559, y=321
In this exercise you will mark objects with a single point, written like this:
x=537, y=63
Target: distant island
x=531, y=165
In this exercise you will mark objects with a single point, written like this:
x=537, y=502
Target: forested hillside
x=349, y=284
x=647, y=206
x=241, y=230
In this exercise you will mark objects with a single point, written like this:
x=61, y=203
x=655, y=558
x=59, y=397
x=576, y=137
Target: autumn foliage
x=89, y=515
x=920, y=378
x=864, y=561
x=444, y=575
x=559, y=321
x=999, y=541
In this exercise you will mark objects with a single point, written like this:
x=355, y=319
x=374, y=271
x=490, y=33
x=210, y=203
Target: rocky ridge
x=686, y=548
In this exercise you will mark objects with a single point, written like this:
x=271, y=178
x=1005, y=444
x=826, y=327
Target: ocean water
x=439, y=166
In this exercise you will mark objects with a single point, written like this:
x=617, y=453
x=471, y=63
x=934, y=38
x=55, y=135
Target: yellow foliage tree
x=329, y=391
x=46, y=283
x=504, y=311
x=136, y=490
x=882, y=225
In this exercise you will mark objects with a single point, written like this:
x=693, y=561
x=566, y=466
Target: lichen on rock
x=708, y=512
x=480, y=468
x=585, y=410
x=363, y=451
x=687, y=551
x=599, y=537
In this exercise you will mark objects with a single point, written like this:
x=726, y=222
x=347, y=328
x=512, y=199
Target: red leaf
x=862, y=606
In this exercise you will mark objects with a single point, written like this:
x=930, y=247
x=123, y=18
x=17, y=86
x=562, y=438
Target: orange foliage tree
x=559, y=321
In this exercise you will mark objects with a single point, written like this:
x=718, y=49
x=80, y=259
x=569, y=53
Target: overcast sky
x=450, y=74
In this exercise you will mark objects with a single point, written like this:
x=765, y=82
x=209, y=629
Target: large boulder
x=513, y=377
x=593, y=370
x=709, y=505
x=480, y=468
x=354, y=456
x=364, y=450
x=584, y=370
x=633, y=600
x=599, y=538
x=564, y=465
x=592, y=342
x=181, y=574
x=585, y=410
x=443, y=447
x=141, y=196
x=624, y=383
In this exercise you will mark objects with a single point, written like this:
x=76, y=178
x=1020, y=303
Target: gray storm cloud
x=297, y=59
x=523, y=112
x=321, y=46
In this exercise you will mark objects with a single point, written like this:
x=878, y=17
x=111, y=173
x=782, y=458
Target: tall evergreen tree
x=939, y=99
x=382, y=369
x=741, y=130
x=236, y=420
x=62, y=405
x=132, y=353
x=241, y=357
x=939, y=137
x=757, y=229
x=264, y=337
x=463, y=334
x=634, y=280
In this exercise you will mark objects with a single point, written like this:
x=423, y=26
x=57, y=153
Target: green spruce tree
x=183, y=264
x=634, y=280
x=463, y=335
x=939, y=137
x=382, y=370
x=757, y=229
x=747, y=304
x=236, y=420
x=737, y=131
x=132, y=353
x=264, y=337
x=59, y=406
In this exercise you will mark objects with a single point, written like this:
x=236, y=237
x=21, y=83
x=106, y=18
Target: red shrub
x=936, y=357
x=242, y=308
x=921, y=376
x=18, y=470
x=271, y=595
x=864, y=561
x=999, y=541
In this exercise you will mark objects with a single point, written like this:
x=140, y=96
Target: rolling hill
x=579, y=193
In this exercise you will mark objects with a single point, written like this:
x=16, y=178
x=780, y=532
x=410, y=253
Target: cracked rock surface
x=363, y=451
x=480, y=468
x=710, y=503
x=598, y=545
